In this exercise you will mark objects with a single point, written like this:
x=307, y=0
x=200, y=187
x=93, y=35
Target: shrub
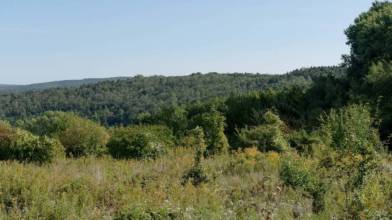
x=148, y=213
x=189, y=140
x=372, y=200
x=350, y=129
x=163, y=133
x=198, y=143
x=20, y=145
x=304, y=143
x=79, y=136
x=297, y=175
x=137, y=142
x=213, y=124
x=197, y=174
x=173, y=117
x=194, y=139
x=266, y=137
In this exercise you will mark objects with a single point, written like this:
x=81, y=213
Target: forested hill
x=4, y=88
x=120, y=101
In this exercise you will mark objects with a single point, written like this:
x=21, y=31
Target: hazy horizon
x=56, y=40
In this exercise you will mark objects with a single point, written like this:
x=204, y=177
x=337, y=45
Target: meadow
x=244, y=185
x=320, y=151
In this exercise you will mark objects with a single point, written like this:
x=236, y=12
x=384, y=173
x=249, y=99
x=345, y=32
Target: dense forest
x=5, y=88
x=120, y=101
x=311, y=144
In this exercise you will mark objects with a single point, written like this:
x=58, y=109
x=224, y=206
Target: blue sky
x=46, y=40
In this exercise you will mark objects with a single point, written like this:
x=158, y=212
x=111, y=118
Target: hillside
x=4, y=88
x=314, y=143
x=119, y=101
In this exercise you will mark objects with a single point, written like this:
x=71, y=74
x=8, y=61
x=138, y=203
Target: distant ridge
x=115, y=101
x=5, y=88
x=10, y=88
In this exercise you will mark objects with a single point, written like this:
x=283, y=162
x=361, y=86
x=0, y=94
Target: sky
x=47, y=40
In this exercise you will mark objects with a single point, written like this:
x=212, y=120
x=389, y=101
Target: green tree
x=369, y=38
x=119, y=102
x=175, y=118
x=370, y=61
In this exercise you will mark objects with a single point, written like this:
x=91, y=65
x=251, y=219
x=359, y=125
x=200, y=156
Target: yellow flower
x=273, y=157
x=252, y=152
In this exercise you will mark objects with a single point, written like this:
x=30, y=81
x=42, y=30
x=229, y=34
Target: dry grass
x=241, y=186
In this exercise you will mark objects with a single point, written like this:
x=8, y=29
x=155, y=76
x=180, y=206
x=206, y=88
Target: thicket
x=17, y=144
x=351, y=129
x=79, y=136
x=139, y=142
x=295, y=173
x=268, y=136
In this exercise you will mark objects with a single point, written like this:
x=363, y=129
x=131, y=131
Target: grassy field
x=242, y=186
x=245, y=185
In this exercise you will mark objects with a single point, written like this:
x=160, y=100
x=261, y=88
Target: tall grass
x=243, y=185
x=99, y=188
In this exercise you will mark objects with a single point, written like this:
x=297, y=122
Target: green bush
x=304, y=142
x=197, y=173
x=79, y=136
x=148, y=214
x=173, y=117
x=20, y=145
x=350, y=129
x=163, y=133
x=266, y=137
x=194, y=139
x=213, y=124
x=297, y=175
x=138, y=142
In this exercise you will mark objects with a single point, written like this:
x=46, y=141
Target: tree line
x=120, y=101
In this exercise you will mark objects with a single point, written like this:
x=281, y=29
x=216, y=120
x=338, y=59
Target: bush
x=197, y=174
x=304, y=143
x=297, y=175
x=20, y=145
x=266, y=137
x=79, y=136
x=163, y=133
x=350, y=129
x=138, y=142
x=373, y=199
x=148, y=213
x=173, y=117
x=193, y=138
x=213, y=124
